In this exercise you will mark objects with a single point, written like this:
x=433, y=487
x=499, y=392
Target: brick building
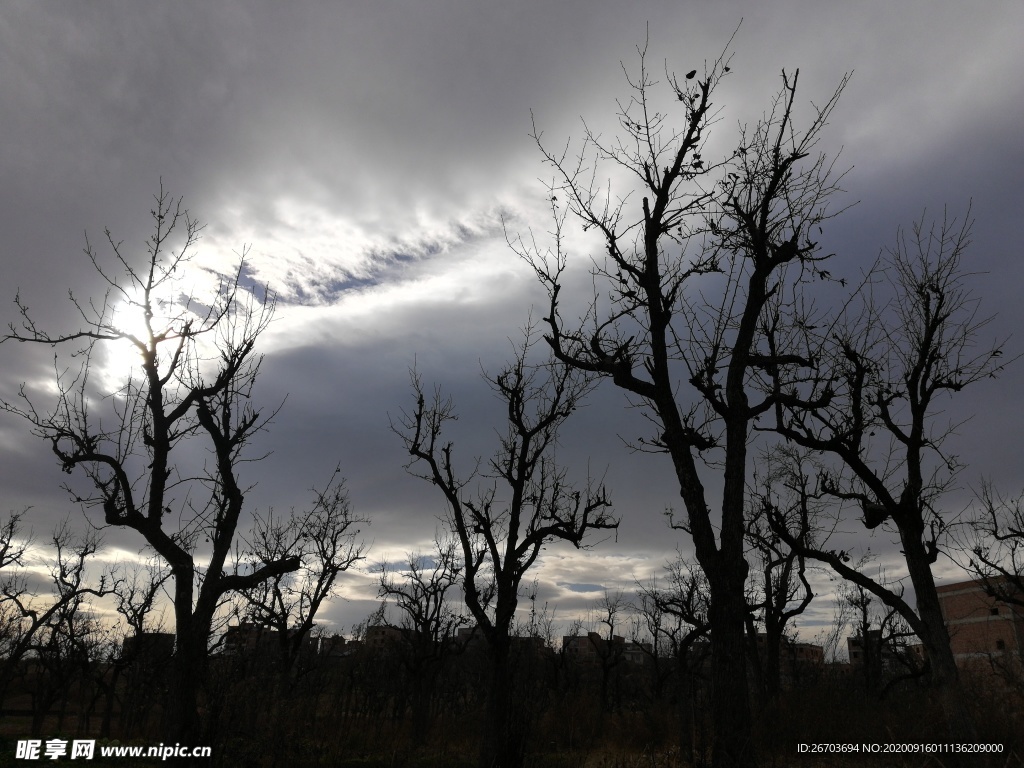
x=985, y=633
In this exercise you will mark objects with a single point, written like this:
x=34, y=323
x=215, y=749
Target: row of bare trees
x=57, y=651
x=58, y=631
x=704, y=312
x=134, y=448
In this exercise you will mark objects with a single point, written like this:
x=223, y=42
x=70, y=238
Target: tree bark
x=945, y=675
x=502, y=745
x=732, y=745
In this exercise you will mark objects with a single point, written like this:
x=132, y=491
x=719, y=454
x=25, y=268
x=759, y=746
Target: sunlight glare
x=120, y=358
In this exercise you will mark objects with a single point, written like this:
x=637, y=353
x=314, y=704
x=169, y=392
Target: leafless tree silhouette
x=192, y=385
x=995, y=544
x=429, y=621
x=782, y=494
x=501, y=536
x=326, y=540
x=50, y=628
x=697, y=307
x=883, y=372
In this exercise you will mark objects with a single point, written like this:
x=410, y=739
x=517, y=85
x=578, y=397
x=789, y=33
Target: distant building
x=247, y=639
x=863, y=650
x=796, y=662
x=148, y=648
x=591, y=648
x=470, y=637
x=257, y=641
x=335, y=646
x=528, y=644
x=636, y=653
x=884, y=656
x=473, y=639
x=382, y=636
x=798, y=653
x=986, y=635
x=984, y=632
x=871, y=654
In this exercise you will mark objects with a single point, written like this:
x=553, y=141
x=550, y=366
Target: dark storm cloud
x=370, y=153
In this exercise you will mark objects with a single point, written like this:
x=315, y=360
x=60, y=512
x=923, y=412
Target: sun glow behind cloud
x=121, y=357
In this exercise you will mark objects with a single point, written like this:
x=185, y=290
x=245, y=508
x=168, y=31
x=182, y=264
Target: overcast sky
x=367, y=154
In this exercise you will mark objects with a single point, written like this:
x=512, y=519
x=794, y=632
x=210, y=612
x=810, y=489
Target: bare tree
x=135, y=593
x=326, y=540
x=49, y=628
x=193, y=386
x=65, y=652
x=697, y=303
x=876, y=404
x=502, y=536
x=780, y=590
x=429, y=620
x=609, y=650
x=995, y=541
x=540, y=623
x=657, y=634
x=12, y=546
x=832, y=637
x=687, y=600
x=882, y=638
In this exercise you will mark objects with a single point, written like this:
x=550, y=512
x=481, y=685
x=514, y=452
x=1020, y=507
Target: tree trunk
x=110, y=699
x=945, y=675
x=773, y=666
x=733, y=747
x=503, y=740
x=181, y=718
x=757, y=672
x=773, y=631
